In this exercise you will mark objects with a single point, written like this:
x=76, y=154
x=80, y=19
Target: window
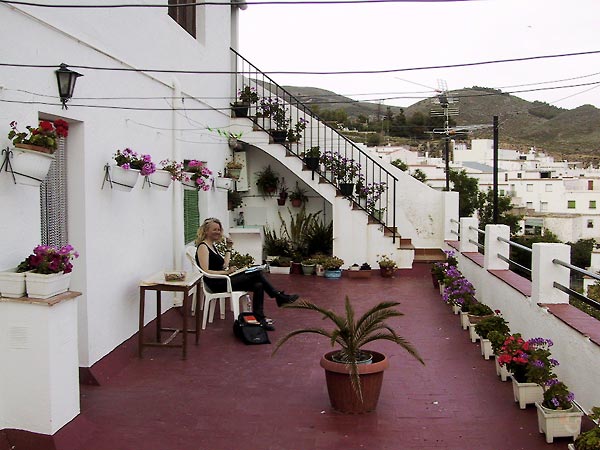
x=548, y=188
x=529, y=205
x=530, y=188
x=592, y=204
x=590, y=223
x=519, y=175
x=185, y=16
x=191, y=215
x=590, y=185
x=53, y=200
x=543, y=206
x=502, y=192
x=571, y=204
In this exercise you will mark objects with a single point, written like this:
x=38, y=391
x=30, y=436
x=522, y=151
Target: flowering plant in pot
x=129, y=159
x=354, y=375
x=47, y=259
x=174, y=168
x=45, y=135
x=246, y=96
x=387, y=265
x=530, y=360
x=294, y=134
x=557, y=414
x=197, y=175
x=458, y=291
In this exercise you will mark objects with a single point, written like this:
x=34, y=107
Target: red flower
x=46, y=126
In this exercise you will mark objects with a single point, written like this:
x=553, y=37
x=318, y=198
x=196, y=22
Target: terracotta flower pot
x=342, y=396
x=387, y=272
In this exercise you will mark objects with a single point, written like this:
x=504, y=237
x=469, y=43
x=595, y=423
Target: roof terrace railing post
x=544, y=272
x=450, y=205
x=468, y=234
x=495, y=247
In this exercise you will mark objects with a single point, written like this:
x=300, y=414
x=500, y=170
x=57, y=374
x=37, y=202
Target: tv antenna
x=444, y=106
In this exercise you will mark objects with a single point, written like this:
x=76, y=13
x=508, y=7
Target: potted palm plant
x=354, y=375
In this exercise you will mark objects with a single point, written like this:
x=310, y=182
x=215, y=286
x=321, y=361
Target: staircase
x=393, y=223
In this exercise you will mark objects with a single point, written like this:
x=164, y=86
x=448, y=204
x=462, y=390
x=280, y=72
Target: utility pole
x=495, y=169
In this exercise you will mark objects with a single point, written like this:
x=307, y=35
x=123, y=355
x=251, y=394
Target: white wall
x=122, y=237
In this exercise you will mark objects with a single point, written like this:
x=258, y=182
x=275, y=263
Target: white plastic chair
x=210, y=298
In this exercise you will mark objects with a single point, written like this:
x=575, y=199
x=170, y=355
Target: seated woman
x=211, y=261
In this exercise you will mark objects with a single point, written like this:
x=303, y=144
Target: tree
x=374, y=139
x=468, y=189
x=485, y=211
x=581, y=252
x=523, y=257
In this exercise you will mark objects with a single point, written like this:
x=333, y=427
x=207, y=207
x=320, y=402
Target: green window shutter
x=191, y=215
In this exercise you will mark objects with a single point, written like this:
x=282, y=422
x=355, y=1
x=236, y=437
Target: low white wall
x=579, y=358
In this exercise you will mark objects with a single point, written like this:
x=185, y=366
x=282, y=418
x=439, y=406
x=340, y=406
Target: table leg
x=186, y=306
x=158, y=316
x=198, y=300
x=141, y=324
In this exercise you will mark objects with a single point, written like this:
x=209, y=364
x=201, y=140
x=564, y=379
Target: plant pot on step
x=279, y=136
x=312, y=163
x=342, y=396
x=240, y=109
x=346, y=189
x=559, y=423
x=29, y=166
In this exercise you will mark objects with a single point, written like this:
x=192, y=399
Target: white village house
x=124, y=100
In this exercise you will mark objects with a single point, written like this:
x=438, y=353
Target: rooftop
x=227, y=395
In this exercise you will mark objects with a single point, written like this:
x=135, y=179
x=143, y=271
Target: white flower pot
x=464, y=320
x=161, y=179
x=442, y=287
x=12, y=284
x=29, y=166
x=486, y=348
x=455, y=309
x=284, y=270
x=501, y=371
x=123, y=179
x=472, y=333
x=47, y=285
x=559, y=423
x=223, y=183
x=319, y=270
x=527, y=393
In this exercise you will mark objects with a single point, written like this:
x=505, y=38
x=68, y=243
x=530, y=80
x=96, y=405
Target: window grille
x=191, y=215
x=53, y=200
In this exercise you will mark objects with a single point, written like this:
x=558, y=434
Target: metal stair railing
x=316, y=132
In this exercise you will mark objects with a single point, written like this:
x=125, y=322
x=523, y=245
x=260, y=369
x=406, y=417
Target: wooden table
x=156, y=282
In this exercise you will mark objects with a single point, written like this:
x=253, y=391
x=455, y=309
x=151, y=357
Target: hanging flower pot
x=29, y=167
x=234, y=173
x=123, y=179
x=223, y=183
x=47, y=285
x=161, y=179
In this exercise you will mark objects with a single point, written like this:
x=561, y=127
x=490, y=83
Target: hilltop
x=572, y=134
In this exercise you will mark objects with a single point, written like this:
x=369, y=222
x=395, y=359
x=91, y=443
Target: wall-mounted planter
x=119, y=178
x=161, y=179
x=28, y=167
x=223, y=183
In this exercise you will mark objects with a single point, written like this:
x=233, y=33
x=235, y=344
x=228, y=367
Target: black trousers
x=256, y=282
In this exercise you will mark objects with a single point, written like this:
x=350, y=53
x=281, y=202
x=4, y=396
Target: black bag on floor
x=249, y=331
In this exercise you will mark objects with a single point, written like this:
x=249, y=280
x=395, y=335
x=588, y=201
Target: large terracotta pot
x=342, y=396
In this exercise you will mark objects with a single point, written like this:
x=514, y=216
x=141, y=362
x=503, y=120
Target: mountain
x=572, y=134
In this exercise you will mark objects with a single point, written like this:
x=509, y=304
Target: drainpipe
x=177, y=215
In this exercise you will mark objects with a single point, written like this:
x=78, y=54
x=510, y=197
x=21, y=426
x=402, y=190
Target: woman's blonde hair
x=202, y=229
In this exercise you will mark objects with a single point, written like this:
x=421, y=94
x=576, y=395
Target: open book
x=249, y=269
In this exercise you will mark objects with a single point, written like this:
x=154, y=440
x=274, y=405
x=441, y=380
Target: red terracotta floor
x=229, y=396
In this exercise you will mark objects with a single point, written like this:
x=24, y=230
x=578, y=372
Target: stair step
x=429, y=255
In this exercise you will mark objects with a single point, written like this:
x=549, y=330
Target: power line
x=291, y=72
x=233, y=3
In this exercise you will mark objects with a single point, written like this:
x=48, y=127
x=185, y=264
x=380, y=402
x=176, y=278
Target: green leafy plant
x=276, y=245
x=332, y=263
x=267, y=181
x=492, y=323
x=248, y=95
x=557, y=395
x=479, y=309
x=352, y=334
x=590, y=440
x=385, y=261
x=312, y=152
x=299, y=194
x=298, y=230
x=319, y=238
x=281, y=261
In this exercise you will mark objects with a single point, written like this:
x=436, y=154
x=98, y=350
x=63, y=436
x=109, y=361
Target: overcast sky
x=418, y=34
